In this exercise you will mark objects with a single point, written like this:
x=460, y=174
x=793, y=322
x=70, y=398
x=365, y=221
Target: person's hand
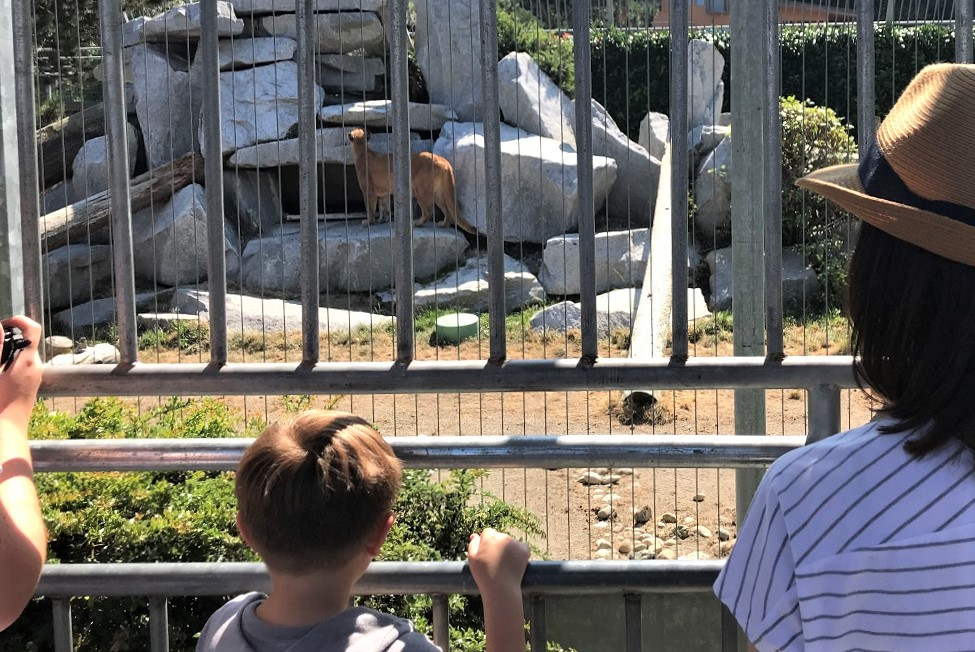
x=497, y=561
x=19, y=384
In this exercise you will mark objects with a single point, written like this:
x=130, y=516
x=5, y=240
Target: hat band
x=880, y=180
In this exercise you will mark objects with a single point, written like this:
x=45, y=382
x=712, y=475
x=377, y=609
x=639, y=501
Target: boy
x=314, y=500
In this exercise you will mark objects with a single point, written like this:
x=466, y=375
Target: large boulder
x=331, y=147
x=531, y=100
x=448, y=57
x=379, y=113
x=76, y=272
x=90, y=166
x=705, y=90
x=170, y=243
x=167, y=102
x=179, y=24
x=342, y=73
x=251, y=201
x=712, y=192
x=84, y=317
x=634, y=194
x=249, y=52
x=353, y=258
x=258, y=7
x=614, y=311
x=621, y=261
x=258, y=105
x=539, y=178
x=468, y=288
x=654, y=129
x=799, y=282
x=345, y=31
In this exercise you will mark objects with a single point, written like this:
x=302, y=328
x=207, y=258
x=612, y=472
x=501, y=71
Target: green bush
x=189, y=516
x=520, y=31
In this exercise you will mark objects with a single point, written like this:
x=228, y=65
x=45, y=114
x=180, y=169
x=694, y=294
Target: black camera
x=13, y=342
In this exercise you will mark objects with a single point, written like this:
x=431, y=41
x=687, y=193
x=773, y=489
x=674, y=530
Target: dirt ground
x=565, y=507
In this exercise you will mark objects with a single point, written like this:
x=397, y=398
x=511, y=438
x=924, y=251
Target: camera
x=13, y=342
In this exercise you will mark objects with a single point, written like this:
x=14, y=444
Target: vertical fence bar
x=773, y=186
x=63, y=635
x=307, y=180
x=729, y=631
x=824, y=412
x=678, y=178
x=492, y=178
x=158, y=625
x=118, y=178
x=23, y=66
x=213, y=174
x=581, y=12
x=633, y=619
x=538, y=634
x=402, y=203
x=963, y=31
x=866, y=67
x=441, y=622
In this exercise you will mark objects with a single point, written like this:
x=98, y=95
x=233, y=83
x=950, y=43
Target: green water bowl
x=457, y=327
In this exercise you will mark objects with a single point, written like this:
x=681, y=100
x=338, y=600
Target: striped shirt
x=853, y=544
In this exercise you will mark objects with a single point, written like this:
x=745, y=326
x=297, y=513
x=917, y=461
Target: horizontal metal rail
x=142, y=379
x=567, y=451
x=382, y=578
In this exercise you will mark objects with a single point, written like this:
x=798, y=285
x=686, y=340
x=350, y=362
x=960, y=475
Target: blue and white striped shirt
x=853, y=544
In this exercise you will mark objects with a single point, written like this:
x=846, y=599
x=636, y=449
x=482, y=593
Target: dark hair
x=910, y=310
x=311, y=490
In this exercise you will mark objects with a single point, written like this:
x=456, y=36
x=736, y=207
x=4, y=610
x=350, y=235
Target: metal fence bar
x=603, y=577
x=824, y=412
x=402, y=206
x=159, y=623
x=445, y=376
x=582, y=50
x=537, y=631
x=492, y=179
x=308, y=180
x=866, y=67
x=775, y=347
x=678, y=181
x=213, y=174
x=441, y=622
x=963, y=31
x=433, y=452
x=29, y=207
x=118, y=183
x=633, y=619
x=729, y=631
x=63, y=635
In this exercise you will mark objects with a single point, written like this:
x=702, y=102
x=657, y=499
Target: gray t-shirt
x=235, y=627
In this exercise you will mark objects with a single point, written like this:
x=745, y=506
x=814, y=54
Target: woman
x=866, y=540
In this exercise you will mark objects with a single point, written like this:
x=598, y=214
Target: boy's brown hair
x=311, y=490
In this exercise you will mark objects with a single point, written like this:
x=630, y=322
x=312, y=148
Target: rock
x=251, y=201
x=245, y=313
x=379, y=113
x=798, y=281
x=605, y=513
x=633, y=195
x=468, y=288
x=695, y=556
x=101, y=353
x=603, y=544
x=179, y=24
x=249, y=52
x=341, y=32
x=612, y=478
x=654, y=129
x=165, y=320
x=621, y=261
x=698, y=498
x=353, y=258
x=668, y=517
x=341, y=72
x=614, y=311
x=670, y=543
x=667, y=554
x=624, y=471
x=590, y=478
x=331, y=146
x=441, y=44
x=167, y=103
x=57, y=197
x=612, y=498
x=604, y=554
x=56, y=345
x=642, y=516
x=625, y=548
x=257, y=7
x=703, y=532
x=725, y=547
x=534, y=207
x=712, y=192
x=702, y=140
x=90, y=166
x=75, y=272
x=690, y=521
x=170, y=241
x=530, y=100
x=258, y=105
x=83, y=318
x=705, y=90
x=639, y=547
x=723, y=534
x=601, y=525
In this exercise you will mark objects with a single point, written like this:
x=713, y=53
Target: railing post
x=581, y=13
x=866, y=67
x=678, y=182
x=441, y=622
x=11, y=262
x=158, y=625
x=963, y=31
x=538, y=634
x=824, y=412
x=633, y=619
x=63, y=636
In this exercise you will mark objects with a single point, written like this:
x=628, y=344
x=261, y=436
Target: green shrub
x=150, y=517
x=520, y=31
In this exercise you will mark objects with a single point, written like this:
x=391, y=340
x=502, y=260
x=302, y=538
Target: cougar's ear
x=351, y=138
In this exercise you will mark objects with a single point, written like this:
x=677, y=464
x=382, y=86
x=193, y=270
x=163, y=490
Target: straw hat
x=917, y=181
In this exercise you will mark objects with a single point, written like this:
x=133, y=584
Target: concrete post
x=11, y=258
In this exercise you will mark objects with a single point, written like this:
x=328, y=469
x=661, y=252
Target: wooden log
x=152, y=188
x=58, y=143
